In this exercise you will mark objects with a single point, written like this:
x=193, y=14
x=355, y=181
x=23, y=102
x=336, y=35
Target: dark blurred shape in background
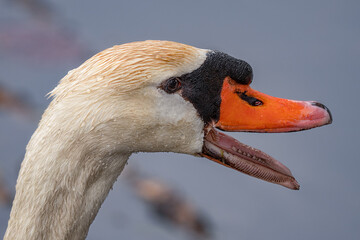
x=168, y=204
x=40, y=9
x=45, y=36
x=15, y=103
x=40, y=41
x=6, y=196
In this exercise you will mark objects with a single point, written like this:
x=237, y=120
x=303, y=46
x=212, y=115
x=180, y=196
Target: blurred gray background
x=304, y=50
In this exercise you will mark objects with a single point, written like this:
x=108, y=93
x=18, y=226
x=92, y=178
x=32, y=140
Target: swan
x=149, y=96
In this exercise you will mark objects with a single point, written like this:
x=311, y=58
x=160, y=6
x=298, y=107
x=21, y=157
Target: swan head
x=161, y=96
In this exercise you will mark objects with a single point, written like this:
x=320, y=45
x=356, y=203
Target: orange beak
x=244, y=109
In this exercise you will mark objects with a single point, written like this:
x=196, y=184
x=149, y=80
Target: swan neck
x=61, y=186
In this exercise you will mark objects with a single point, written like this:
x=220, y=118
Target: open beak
x=244, y=109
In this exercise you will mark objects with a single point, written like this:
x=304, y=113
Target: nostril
x=320, y=105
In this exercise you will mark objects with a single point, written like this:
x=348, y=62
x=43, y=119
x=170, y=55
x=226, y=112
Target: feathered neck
x=64, y=178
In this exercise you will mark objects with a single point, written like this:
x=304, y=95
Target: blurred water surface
x=306, y=50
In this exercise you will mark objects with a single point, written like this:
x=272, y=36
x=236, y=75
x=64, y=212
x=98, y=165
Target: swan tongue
x=228, y=151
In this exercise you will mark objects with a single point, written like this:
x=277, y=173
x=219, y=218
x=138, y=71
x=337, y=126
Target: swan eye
x=250, y=100
x=171, y=85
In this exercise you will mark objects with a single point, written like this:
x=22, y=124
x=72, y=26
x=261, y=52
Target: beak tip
x=292, y=184
x=296, y=186
x=320, y=105
x=330, y=116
